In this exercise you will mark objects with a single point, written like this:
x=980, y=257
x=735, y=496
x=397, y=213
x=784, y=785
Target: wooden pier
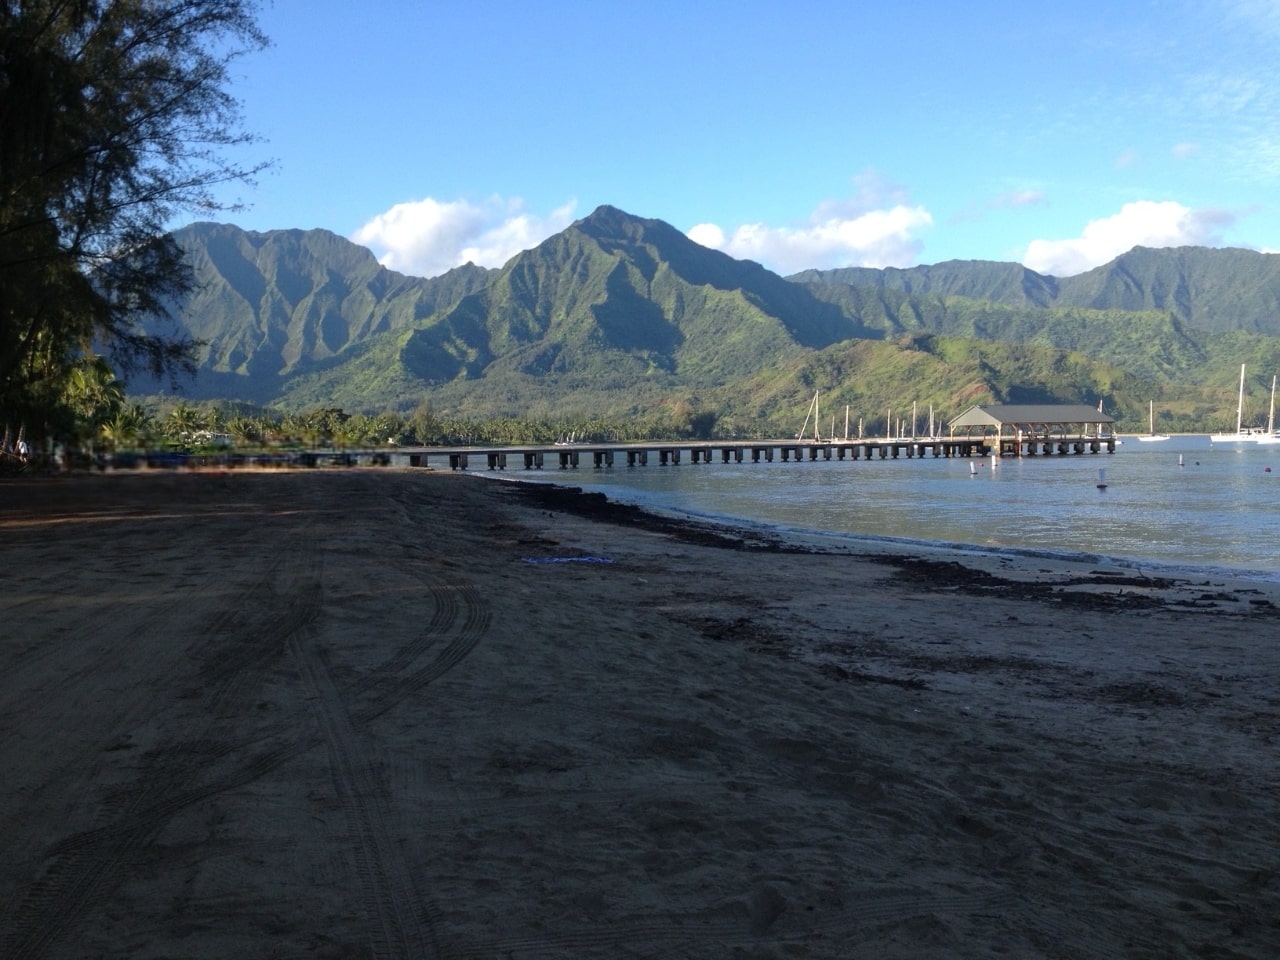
x=670, y=453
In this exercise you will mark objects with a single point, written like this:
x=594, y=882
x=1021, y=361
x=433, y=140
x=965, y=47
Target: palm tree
x=244, y=431
x=386, y=428
x=182, y=422
x=93, y=395
x=127, y=428
x=308, y=427
x=215, y=418
x=345, y=433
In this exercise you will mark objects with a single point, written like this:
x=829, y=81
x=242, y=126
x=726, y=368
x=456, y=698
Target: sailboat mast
x=1240, y=402
x=811, y=412
x=1271, y=415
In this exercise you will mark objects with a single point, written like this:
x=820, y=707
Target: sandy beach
x=385, y=713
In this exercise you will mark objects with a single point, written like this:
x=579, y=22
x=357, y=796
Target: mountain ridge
x=625, y=314
x=1217, y=289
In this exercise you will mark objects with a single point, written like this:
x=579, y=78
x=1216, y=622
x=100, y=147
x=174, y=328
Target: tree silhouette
x=114, y=117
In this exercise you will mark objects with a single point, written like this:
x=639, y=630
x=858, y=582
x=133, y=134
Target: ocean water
x=1183, y=505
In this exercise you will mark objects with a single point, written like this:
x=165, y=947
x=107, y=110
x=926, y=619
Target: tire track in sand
x=400, y=926
x=80, y=872
x=276, y=615
x=402, y=920
x=392, y=690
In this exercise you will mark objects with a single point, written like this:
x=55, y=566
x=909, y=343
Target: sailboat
x=1152, y=435
x=1271, y=436
x=811, y=412
x=1243, y=434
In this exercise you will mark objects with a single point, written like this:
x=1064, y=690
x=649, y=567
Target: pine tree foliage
x=115, y=117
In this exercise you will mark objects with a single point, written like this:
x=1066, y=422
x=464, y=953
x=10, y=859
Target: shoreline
x=1012, y=563
x=350, y=712
x=1181, y=524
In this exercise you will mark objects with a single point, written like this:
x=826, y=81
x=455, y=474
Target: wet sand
x=405, y=713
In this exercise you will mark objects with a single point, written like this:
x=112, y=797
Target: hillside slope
x=619, y=315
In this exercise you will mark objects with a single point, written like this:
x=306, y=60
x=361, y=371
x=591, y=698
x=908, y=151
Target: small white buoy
x=1180, y=463
x=994, y=461
x=1102, y=479
x=973, y=469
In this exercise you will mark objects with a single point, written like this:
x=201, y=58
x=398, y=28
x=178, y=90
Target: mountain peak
x=609, y=225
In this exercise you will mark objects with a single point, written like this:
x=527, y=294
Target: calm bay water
x=1219, y=510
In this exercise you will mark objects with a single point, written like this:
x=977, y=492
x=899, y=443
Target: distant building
x=209, y=439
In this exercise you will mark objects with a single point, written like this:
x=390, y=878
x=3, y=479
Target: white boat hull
x=1152, y=436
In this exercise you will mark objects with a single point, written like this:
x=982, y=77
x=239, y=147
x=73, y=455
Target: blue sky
x=805, y=134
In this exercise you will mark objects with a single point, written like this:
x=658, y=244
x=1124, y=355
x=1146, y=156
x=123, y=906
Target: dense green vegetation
x=211, y=428
x=113, y=117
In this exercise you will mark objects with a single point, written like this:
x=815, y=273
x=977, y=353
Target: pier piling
x=604, y=455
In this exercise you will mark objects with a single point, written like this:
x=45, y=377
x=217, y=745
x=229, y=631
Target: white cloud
x=709, y=235
x=427, y=237
x=869, y=230
x=877, y=238
x=1146, y=223
x=1183, y=150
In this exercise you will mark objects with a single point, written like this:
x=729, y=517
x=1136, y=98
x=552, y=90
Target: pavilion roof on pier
x=1039, y=418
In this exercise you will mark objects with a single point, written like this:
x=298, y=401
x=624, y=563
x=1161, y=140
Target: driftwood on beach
x=339, y=714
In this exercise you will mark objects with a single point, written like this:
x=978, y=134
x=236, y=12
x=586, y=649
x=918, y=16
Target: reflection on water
x=1180, y=503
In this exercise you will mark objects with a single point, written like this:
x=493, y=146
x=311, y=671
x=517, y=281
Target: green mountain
x=1214, y=290
x=620, y=316
x=1175, y=323
x=269, y=305
x=616, y=304
x=985, y=280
